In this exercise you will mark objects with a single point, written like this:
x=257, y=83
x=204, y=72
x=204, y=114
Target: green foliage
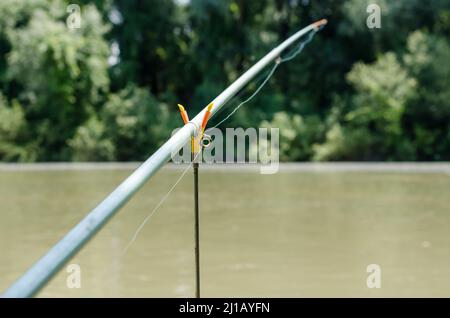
x=13, y=14
x=399, y=19
x=345, y=144
x=354, y=94
x=131, y=125
x=91, y=144
x=136, y=123
x=428, y=118
x=12, y=125
x=152, y=43
x=372, y=124
x=382, y=91
x=398, y=111
x=297, y=135
x=62, y=74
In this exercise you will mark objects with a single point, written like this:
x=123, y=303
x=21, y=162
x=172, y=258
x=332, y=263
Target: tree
x=90, y=142
x=62, y=74
x=152, y=45
x=297, y=135
x=69, y=103
x=136, y=123
x=428, y=117
x=12, y=126
x=371, y=125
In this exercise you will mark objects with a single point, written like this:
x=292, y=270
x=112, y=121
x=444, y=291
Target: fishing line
x=289, y=56
x=249, y=98
x=163, y=199
x=242, y=94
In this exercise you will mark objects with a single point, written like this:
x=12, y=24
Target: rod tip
x=181, y=108
x=319, y=23
x=210, y=106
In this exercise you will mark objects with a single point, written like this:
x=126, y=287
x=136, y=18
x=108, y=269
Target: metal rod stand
x=197, y=232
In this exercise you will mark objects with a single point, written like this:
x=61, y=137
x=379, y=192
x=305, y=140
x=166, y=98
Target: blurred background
x=108, y=91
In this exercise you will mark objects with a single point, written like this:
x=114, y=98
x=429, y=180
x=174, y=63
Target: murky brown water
x=292, y=234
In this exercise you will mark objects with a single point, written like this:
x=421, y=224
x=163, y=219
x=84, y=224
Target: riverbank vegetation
x=108, y=91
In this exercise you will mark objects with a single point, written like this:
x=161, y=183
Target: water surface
x=292, y=234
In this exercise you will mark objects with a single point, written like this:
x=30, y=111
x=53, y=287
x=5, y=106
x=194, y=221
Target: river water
x=291, y=234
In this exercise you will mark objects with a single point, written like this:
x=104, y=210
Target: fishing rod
x=48, y=265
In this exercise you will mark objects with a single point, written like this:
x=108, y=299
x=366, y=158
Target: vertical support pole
x=197, y=233
x=196, y=149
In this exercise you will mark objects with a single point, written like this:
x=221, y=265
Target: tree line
x=108, y=91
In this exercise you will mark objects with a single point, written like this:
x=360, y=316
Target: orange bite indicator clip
x=196, y=140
